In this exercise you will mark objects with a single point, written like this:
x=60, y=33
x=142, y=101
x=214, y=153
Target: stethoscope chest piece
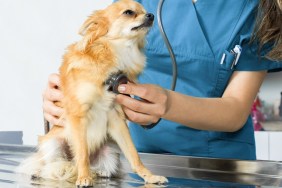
x=115, y=80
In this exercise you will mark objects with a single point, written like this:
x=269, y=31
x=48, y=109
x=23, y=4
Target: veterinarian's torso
x=199, y=34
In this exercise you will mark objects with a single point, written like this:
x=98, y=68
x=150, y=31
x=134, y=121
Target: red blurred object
x=257, y=115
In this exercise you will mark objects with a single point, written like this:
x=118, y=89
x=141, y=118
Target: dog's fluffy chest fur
x=92, y=92
x=129, y=57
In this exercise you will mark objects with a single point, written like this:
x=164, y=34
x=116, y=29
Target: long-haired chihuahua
x=112, y=42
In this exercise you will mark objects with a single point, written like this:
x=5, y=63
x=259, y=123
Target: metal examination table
x=181, y=172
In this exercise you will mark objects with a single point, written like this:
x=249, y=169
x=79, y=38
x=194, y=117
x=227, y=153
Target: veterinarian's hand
x=51, y=95
x=154, y=103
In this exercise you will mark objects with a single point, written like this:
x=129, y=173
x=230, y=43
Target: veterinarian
x=220, y=71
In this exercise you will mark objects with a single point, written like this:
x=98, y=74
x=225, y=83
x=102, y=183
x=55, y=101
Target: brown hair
x=268, y=27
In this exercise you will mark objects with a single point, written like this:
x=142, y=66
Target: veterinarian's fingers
x=52, y=94
x=155, y=98
x=54, y=120
x=52, y=91
x=54, y=80
x=52, y=109
x=140, y=106
x=139, y=118
x=145, y=91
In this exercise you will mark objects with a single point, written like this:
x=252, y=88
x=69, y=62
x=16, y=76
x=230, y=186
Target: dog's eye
x=129, y=12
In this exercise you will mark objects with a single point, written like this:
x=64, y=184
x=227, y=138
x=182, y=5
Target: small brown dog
x=112, y=42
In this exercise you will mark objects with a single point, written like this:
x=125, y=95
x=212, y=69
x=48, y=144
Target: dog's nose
x=149, y=17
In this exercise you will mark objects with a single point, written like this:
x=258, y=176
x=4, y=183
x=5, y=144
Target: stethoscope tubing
x=168, y=45
x=171, y=54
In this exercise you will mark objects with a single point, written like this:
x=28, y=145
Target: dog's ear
x=94, y=27
x=96, y=22
x=126, y=0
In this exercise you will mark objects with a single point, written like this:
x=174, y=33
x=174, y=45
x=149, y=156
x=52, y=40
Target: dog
x=112, y=41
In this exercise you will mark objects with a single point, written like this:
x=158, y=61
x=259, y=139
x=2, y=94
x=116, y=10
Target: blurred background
x=33, y=38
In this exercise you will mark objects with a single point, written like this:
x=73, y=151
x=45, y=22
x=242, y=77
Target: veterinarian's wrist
x=167, y=104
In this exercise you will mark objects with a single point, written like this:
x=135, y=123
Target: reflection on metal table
x=181, y=172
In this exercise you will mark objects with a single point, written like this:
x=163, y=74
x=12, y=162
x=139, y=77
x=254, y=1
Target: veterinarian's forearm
x=228, y=113
x=219, y=114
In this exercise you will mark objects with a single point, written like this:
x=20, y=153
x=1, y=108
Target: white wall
x=33, y=37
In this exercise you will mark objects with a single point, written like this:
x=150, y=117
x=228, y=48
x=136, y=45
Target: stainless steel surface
x=11, y=137
x=181, y=172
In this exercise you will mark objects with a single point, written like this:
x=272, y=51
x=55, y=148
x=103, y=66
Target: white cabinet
x=275, y=146
x=269, y=145
x=262, y=145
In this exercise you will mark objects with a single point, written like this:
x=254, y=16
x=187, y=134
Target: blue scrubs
x=200, y=34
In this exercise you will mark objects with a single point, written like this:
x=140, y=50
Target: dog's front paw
x=153, y=179
x=84, y=182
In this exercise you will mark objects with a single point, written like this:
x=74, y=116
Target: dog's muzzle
x=149, y=18
x=148, y=21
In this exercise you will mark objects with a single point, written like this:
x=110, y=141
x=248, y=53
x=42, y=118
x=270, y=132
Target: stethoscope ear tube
x=168, y=45
x=171, y=53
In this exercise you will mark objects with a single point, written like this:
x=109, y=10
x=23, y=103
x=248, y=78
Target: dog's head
x=124, y=19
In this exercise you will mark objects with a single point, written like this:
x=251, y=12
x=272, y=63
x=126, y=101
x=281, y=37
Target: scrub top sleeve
x=252, y=60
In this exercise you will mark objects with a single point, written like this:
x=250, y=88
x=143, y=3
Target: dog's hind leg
x=118, y=130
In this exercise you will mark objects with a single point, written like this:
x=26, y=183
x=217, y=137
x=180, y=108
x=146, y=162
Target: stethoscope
x=119, y=78
x=167, y=43
x=171, y=54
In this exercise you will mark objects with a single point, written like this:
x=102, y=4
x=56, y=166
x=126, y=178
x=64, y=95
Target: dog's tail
x=49, y=162
x=60, y=170
x=34, y=169
x=29, y=167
